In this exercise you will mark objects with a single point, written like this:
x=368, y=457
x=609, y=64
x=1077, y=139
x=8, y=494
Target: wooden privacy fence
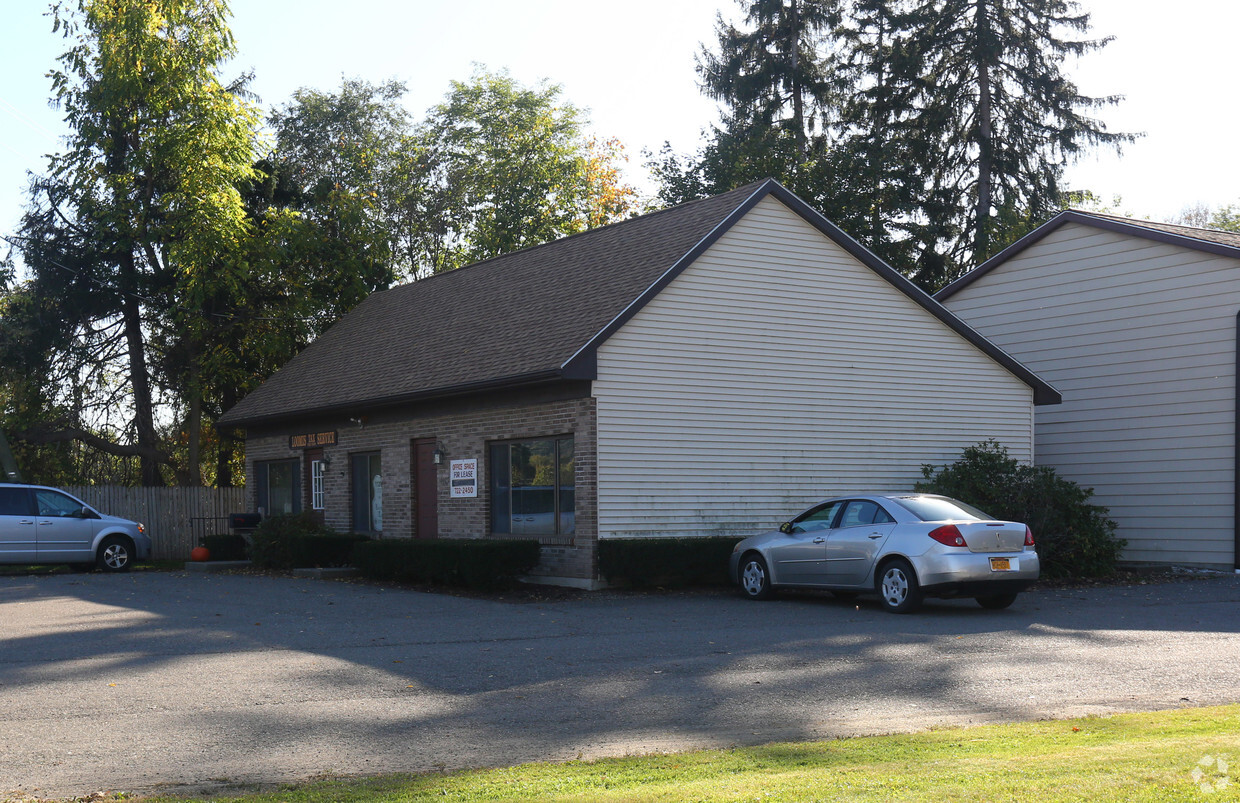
x=174, y=517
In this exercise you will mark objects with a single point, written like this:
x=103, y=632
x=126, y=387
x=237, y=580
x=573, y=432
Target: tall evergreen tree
x=772, y=76
x=771, y=80
x=876, y=159
x=999, y=119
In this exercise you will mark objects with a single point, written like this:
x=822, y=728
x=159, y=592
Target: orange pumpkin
x=200, y=553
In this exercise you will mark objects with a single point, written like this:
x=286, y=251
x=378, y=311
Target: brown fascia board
x=1043, y=393
x=1133, y=228
x=365, y=405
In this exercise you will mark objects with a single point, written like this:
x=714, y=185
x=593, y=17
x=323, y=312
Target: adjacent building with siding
x=704, y=370
x=1135, y=323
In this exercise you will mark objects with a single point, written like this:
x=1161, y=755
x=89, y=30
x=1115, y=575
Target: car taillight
x=948, y=535
x=1028, y=536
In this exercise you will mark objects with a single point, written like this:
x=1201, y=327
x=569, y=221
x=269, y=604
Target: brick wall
x=464, y=432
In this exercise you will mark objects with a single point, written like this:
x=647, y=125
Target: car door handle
x=876, y=535
x=820, y=540
x=26, y=521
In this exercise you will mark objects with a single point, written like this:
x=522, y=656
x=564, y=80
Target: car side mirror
x=786, y=528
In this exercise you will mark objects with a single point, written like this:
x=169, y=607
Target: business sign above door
x=312, y=440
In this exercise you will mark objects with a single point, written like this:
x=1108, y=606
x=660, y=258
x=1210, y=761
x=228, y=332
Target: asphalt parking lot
x=187, y=682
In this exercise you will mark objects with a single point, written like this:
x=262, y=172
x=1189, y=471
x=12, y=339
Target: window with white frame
x=316, y=485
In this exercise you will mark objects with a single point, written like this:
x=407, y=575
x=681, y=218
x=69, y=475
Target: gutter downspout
x=1236, y=459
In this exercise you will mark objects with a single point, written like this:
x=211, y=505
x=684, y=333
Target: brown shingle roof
x=521, y=315
x=530, y=316
x=1192, y=232
x=1212, y=241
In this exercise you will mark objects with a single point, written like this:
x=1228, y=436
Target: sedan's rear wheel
x=897, y=587
x=755, y=578
x=115, y=554
x=996, y=602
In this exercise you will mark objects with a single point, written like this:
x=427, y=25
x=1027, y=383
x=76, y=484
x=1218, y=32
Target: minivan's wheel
x=115, y=554
x=755, y=579
x=897, y=587
x=996, y=602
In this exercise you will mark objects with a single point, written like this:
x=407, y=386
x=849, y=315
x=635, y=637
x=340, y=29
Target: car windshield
x=940, y=508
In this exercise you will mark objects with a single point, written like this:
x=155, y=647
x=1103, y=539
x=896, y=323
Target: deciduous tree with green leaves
x=505, y=167
x=130, y=228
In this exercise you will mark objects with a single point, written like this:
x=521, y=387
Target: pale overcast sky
x=631, y=64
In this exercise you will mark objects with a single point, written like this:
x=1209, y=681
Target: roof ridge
x=752, y=187
x=1147, y=223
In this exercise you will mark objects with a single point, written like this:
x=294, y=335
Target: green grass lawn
x=1129, y=757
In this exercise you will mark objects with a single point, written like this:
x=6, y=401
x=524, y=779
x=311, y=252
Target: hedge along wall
x=666, y=561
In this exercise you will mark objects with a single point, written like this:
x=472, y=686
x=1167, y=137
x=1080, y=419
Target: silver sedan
x=904, y=547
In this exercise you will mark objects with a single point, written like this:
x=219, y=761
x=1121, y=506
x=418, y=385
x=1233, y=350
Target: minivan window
x=14, y=502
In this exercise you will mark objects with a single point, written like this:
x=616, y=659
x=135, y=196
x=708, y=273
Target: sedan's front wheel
x=755, y=578
x=897, y=587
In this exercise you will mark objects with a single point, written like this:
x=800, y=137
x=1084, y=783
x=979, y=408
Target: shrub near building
x=1074, y=538
x=298, y=540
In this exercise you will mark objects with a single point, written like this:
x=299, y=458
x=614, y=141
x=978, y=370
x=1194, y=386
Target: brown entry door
x=425, y=489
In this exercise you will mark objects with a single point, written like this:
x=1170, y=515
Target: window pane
x=533, y=472
x=14, y=502
x=52, y=503
x=567, y=487
x=532, y=487
x=937, y=508
x=367, y=493
x=819, y=518
x=376, y=494
x=280, y=490
x=500, y=490
x=316, y=484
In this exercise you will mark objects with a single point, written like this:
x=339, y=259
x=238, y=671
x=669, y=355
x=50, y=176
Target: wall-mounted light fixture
x=439, y=454
x=326, y=459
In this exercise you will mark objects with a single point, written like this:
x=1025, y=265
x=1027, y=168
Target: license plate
x=1000, y=564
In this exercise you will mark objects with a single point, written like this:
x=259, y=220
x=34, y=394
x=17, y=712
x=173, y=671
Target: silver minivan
x=46, y=525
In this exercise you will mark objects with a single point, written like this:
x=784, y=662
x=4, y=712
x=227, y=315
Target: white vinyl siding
x=1139, y=337
x=777, y=370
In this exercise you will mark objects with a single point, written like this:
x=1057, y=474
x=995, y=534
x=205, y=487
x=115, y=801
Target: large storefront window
x=532, y=487
x=367, y=493
x=278, y=488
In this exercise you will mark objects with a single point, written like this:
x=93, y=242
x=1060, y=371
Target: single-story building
x=708, y=369
x=1136, y=324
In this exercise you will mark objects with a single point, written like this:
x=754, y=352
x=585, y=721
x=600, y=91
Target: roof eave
x=520, y=381
x=1133, y=228
x=1043, y=393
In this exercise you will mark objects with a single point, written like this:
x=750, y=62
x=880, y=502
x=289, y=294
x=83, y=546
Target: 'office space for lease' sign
x=464, y=480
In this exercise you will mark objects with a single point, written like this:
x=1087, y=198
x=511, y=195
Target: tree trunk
x=193, y=424
x=985, y=138
x=798, y=103
x=139, y=377
x=227, y=439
